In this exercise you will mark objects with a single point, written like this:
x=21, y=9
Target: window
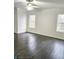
x=60, y=23
x=32, y=21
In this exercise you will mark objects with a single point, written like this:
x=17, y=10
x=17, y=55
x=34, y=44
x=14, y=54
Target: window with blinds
x=32, y=21
x=60, y=23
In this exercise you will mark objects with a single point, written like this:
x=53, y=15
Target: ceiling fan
x=32, y=4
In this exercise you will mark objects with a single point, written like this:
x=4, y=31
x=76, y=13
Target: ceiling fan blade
x=35, y=7
x=43, y=4
x=39, y=2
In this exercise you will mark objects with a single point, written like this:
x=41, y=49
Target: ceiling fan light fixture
x=29, y=7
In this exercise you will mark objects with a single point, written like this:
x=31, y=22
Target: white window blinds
x=32, y=21
x=60, y=23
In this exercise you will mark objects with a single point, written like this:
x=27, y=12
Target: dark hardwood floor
x=35, y=46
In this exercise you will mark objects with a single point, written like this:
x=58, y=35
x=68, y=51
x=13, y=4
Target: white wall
x=46, y=21
x=20, y=20
x=15, y=21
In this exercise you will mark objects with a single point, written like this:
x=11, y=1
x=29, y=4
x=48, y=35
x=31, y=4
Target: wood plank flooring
x=35, y=46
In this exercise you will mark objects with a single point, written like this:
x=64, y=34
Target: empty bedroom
x=39, y=29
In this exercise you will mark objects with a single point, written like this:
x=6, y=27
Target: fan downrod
x=29, y=0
